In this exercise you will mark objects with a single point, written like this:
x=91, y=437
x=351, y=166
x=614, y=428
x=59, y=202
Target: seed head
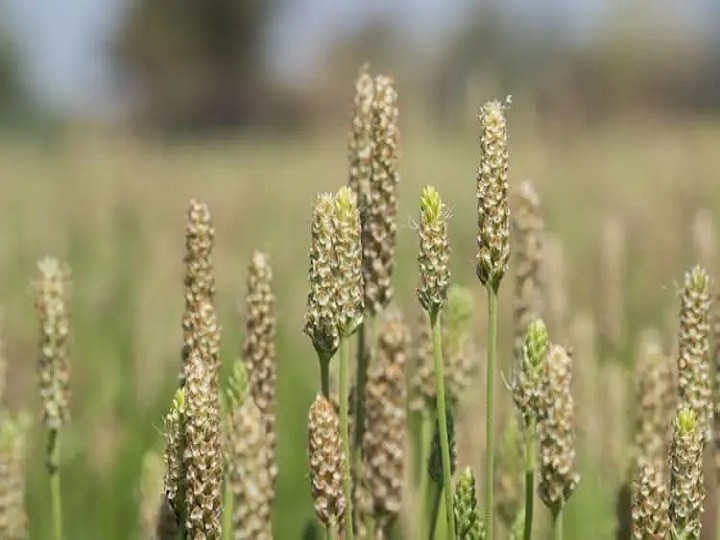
x=175, y=444
x=492, y=193
x=468, y=523
x=434, y=255
x=650, y=519
x=326, y=462
x=360, y=141
x=13, y=435
x=320, y=316
x=529, y=230
x=51, y=295
x=199, y=278
x=654, y=406
x=348, y=254
x=558, y=478
x=247, y=455
x=528, y=384
x=687, y=490
x=202, y=457
x=384, y=438
x=694, y=387
x=259, y=345
x=378, y=200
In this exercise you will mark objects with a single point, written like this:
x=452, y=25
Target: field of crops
x=629, y=207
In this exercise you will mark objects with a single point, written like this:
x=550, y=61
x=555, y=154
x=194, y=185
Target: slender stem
x=529, y=477
x=490, y=409
x=227, y=512
x=53, y=465
x=558, y=526
x=434, y=511
x=370, y=525
x=362, y=364
x=325, y=374
x=331, y=531
x=347, y=487
x=442, y=420
x=425, y=435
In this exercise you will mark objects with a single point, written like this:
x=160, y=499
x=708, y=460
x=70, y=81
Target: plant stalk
x=558, y=525
x=325, y=374
x=530, y=438
x=347, y=484
x=423, y=488
x=490, y=408
x=53, y=465
x=434, y=511
x=361, y=377
x=227, y=512
x=442, y=420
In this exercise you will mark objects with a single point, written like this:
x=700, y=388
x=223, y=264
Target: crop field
x=629, y=207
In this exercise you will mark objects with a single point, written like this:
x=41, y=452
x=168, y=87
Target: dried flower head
x=468, y=523
x=247, y=455
x=199, y=278
x=348, y=256
x=326, y=462
x=687, y=490
x=51, y=294
x=13, y=435
x=434, y=256
x=360, y=141
x=259, y=344
x=384, y=438
x=654, y=405
x=694, y=387
x=493, y=237
x=528, y=229
x=528, y=376
x=378, y=201
x=320, y=315
x=202, y=456
x=650, y=503
x=558, y=477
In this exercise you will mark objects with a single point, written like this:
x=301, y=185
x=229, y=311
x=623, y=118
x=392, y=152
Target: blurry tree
x=196, y=64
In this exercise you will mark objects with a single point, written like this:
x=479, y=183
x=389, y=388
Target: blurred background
x=114, y=113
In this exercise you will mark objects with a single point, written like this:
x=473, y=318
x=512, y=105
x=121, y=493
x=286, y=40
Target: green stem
x=558, y=526
x=362, y=363
x=425, y=435
x=347, y=487
x=325, y=374
x=442, y=420
x=53, y=465
x=529, y=477
x=227, y=512
x=331, y=532
x=490, y=410
x=434, y=511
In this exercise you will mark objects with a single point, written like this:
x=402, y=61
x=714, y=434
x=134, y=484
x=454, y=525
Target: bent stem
x=442, y=420
x=347, y=487
x=53, y=465
x=530, y=436
x=490, y=408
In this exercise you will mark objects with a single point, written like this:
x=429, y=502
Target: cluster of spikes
x=216, y=477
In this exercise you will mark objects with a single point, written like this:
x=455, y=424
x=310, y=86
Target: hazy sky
x=65, y=44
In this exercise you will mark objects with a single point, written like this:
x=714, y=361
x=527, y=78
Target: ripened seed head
x=175, y=443
x=694, y=387
x=360, y=141
x=558, y=477
x=13, y=442
x=650, y=503
x=383, y=441
x=528, y=377
x=259, y=343
x=320, y=315
x=687, y=491
x=247, y=456
x=326, y=462
x=528, y=245
x=348, y=255
x=493, y=237
x=434, y=256
x=468, y=523
x=51, y=295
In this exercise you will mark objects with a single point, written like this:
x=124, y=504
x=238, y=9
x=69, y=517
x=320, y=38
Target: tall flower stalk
x=51, y=293
x=527, y=391
x=433, y=261
x=492, y=258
